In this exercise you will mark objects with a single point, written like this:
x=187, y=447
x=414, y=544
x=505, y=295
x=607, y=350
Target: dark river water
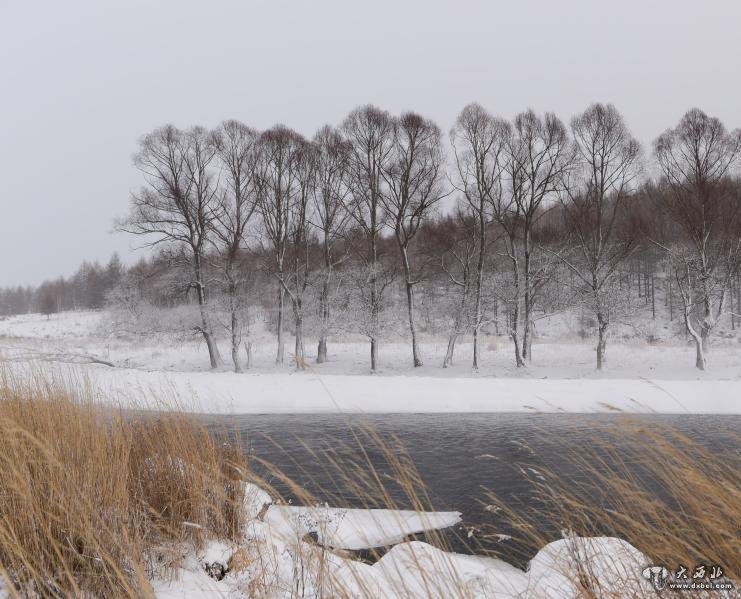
x=346, y=459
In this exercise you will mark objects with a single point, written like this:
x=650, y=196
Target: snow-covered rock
x=190, y=581
x=214, y=558
x=611, y=566
x=416, y=569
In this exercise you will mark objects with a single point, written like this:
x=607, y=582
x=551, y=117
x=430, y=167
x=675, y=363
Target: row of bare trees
x=703, y=206
x=552, y=206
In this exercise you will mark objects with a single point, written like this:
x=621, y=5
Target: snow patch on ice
x=355, y=529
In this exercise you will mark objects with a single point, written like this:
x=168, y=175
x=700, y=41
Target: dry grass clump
x=94, y=500
x=675, y=499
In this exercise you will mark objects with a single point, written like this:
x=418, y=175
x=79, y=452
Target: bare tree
x=479, y=141
x=369, y=131
x=538, y=157
x=458, y=247
x=276, y=187
x=696, y=158
x=178, y=203
x=295, y=278
x=331, y=194
x=235, y=146
x=505, y=211
x=608, y=164
x=413, y=176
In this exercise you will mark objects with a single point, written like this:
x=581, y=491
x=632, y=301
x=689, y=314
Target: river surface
x=340, y=459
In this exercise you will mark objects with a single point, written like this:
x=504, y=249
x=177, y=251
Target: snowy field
x=158, y=370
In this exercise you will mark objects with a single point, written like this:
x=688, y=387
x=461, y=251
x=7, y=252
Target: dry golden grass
x=372, y=469
x=675, y=499
x=93, y=500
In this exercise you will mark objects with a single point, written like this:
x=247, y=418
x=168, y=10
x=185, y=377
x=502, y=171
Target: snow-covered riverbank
x=310, y=392
x=276, y=557
x=159, y=371
x=228, y=393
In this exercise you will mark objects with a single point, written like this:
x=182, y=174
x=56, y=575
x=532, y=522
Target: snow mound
x=417, y=569
x=610, y=566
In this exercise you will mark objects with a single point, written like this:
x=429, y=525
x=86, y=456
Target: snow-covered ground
x=156, y=371
x=275, y=559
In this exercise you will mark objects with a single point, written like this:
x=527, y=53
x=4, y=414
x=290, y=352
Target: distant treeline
x=86, y=289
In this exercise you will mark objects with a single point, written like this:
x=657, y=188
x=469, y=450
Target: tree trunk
x=374, y=290
x=495, y=309
x=448, y=360
x=515, y=334
x=299, y=347
x=514, y=328
x=321, y=351
x=475, y=365
x=479, y=290
x=235, y=325
x=279, y=358
x=603, y=323
x=644, y=278
x=374, y=329
x=526, y=341
x=248, y=349
x=700, y=360
x=518, y=351
x=453, y=337
x=236, y=338
x=374, y=354
x=416, y=358
x=735, y=313
x=700, y=340
x=708, y=322
x=213, y=350
x=731, y=292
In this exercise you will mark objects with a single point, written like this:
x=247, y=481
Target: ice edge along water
x=227, y=393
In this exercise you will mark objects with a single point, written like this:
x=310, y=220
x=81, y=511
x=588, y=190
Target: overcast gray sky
x=82, y=80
